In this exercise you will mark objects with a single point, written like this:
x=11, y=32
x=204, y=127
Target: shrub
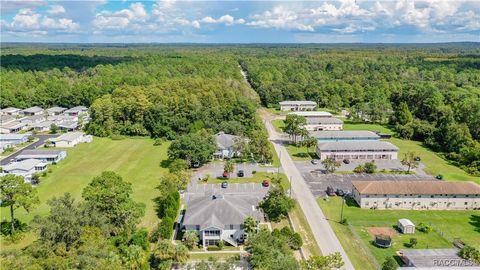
x=254, y=172
x=213, y=248
x=295, y=241
x=470, y=253
x=370, y=167
x=140, y=238
x=389, y=264
x=425, y=228
x=359, y=169
x=164, y=230
x=220, y=244
x=190, y=239
x=158, y=142
x=6, y=227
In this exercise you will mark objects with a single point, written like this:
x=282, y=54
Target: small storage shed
x=406, y=226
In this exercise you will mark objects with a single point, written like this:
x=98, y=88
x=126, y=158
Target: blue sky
x=240, y=21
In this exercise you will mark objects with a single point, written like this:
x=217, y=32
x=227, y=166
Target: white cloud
x=28, y=20
x=56, y=10
x=226, y=19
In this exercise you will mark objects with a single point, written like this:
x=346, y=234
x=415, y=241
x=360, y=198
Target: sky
x=228, y=21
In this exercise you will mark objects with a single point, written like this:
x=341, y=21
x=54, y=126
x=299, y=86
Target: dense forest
x=429, y=93
x=426, y=94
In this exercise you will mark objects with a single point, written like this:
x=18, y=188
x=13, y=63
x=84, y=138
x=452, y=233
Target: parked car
x=340, y=192
x=195, y=164
x=225, y=174
x=418, y=158
x=265, y=183
x=224, y=184
x=439, y=177
x=330, y=191
x=346, y=161
x=241, y=173
x=314, y=161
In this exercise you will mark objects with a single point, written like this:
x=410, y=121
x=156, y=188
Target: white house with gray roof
x=76, y=111
x=217, y=214
x=12, y=127
x=10, y=111
x=225, y=145
x=353, y=150
x=25, y=168
x=298, y=105
x=15, y=139
x=71, y=139
x=49, y=156
x=56, y=110
x=32, y=111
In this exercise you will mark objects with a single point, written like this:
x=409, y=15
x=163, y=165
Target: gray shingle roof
x=344, y=134
x=76, y=109
x=33, y=109
x=298, y=102
x=39, y=153
x=225, y=141
x=56, y=109
x=68, y=137
x=431, y=257
x=24, y=165
x=356, y=146
x=312, y=114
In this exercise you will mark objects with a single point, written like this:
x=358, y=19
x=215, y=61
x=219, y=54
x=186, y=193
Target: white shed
x=406, y=226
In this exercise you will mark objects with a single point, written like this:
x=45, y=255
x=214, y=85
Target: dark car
x=417, y=159
x=241, y=173
x=265, y=183
x=195, y=164
x=225, y=174
x=346, y=161
x=330, y=191
x=224, y=184
x=340, y=192
x=439, y=177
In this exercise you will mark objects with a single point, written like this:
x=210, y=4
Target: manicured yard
x=256, y=178
x=447, y=226
x=135, y=159
x=278, y=124
x=205, y=256
x=301, y=224
x=300, y=153
x=363, y=126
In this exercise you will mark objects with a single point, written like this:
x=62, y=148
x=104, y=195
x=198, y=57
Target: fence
x=364, y=248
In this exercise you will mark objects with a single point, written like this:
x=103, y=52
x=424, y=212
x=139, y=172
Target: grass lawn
x=256, y=178
x=275, y=159
x=300, y=153
x=135, y=159
x=301, y=224
x=447, y=226
x=365, y=126
x=278, y=124
x=207, y=255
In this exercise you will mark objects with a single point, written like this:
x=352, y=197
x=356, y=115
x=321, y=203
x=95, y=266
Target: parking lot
x=215, y=170
x=318, y=181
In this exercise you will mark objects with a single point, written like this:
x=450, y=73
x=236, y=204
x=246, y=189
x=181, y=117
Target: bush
x=213, y=248
x=389, y=264
x=295, y=241
x=254, y=172
x=359, y=169
x=425, y=228
x=470, y=253
x=220, y=244
x=370, y=167
x=344, y=221
x=140, y=238
x=6, y=227
x=164, y=230
x=158, y=142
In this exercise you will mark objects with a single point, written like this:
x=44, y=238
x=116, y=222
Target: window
x=465, y=203
x=231, y=226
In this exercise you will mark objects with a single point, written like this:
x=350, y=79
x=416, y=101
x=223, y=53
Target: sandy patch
x=381, y=230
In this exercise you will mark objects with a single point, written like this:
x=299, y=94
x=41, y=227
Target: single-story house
x=70, y=139
x=446, y=258
x=5, y=119
x=32, y=111
x=49, y=156
x=76, y=111
x=12, y=127
x=56, y=110
x=366, y=150
x=406, y=226
x=15, y=139
x=68, y=125
x=32, y=120
x=43, y=126
x=324, y=123
x=217, y=214
x=344, y=135
x=62, y=118
x=5, y=145
x=298, y=105
x=10, y=111
x=416, y=195
x=226, y=145
x=25, y=168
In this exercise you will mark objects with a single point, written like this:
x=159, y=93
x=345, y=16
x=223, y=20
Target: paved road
x=41, y=140
x=323, y=233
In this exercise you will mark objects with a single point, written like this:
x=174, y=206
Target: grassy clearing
x=135, y=159
x=447, y=226
x=256, y=178
x=300, y=153
x=363, y=126
x=300, y=221
x=278, y=124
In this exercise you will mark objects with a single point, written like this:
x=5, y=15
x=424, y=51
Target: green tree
x=332, y=261
x=311, y=142
x=193, y=147
x=259, y=146
x=470, y=253
x=178, y=165
x=250, y=225
x=403, y=115
x=62, y=226
x=294, y=126
x=330, y=164
x=16, y=193
x=413, y=242
x=276, y=204
x=190, y=239
x=410, y=160
x=359, y=169
x=370, y=167
x=229, y=166
x=389, y=264
x=53, y=129
x=111, y=196
x=167, y=251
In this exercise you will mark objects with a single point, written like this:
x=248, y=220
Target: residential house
x=217, y=214
x=5, y=119
x=12, y=127
x=364, y=150
x=15, y=139
x=406, y=226
x=76, y=111
x=70, y=139
x=49, y=156
x=446, y=258
x=298, y=105
x=56, y=110
x=5, y=145
x=226, y=145
x=32, y=111
x=31, y=121
x=416, y=195
x=344, y=135
x=43, y=126
x=10, y=111
x=68, y=125
x=25, y=168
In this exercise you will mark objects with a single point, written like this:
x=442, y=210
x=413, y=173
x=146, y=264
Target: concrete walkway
x=323, y=233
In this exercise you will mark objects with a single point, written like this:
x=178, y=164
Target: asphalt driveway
x=41, y=140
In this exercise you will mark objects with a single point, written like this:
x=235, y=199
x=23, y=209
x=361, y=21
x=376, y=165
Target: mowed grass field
x=137, y=160
x=447, y=226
